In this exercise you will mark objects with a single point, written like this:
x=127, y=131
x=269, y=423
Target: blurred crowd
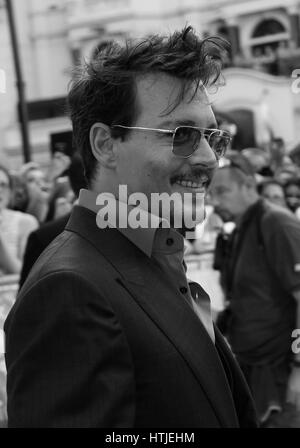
x=31, y=197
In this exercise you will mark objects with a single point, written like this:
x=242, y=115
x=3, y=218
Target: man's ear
x=102, y=145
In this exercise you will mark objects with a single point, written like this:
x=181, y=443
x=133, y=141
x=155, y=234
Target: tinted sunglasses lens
x=186, y=141
x=219, y=143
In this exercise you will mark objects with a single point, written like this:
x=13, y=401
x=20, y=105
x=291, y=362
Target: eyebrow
x=176, y=123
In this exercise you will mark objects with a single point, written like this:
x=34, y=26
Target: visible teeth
x=188, y=184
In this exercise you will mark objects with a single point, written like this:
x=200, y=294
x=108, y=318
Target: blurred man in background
x=273, y=191
x=260, y=273
x=292, y=194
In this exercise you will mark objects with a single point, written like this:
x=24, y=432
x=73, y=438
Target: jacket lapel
x=165, y=306
x=176, y=319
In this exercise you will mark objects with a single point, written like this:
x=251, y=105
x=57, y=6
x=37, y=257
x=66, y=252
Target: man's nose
x=204, y=155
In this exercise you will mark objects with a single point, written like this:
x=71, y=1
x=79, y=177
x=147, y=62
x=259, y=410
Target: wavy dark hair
x=105, y=88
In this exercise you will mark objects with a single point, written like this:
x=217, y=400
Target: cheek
x=145, y=169
x=154, y=171
x=137, y=175
x=232, y=202
x=151, y=180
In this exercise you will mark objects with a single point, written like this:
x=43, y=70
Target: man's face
x=146, y=162
x=36, y=184
x=293, y=196
x=275, y=194
x=230, y=199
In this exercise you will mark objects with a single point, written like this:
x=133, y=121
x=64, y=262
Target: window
x=268, y=27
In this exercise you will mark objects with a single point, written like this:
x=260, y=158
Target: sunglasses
x=186, y=139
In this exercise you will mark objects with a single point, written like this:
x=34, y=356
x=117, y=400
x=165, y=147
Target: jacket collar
x=143, y=238
x=165, y=306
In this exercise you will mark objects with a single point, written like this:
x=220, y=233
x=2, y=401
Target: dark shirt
x=260, y=274
x=263, y=272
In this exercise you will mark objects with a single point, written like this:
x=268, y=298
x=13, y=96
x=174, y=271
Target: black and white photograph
x=150, y=217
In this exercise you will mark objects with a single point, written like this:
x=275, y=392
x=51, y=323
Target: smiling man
x=107, y=331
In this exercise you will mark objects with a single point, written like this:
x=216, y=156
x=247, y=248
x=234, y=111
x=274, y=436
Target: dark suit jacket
x=38, y=240
x=98, y=338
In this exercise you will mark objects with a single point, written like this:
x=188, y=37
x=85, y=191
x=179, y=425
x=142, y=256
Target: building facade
x=54, y=34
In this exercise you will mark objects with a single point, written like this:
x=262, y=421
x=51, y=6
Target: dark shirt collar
x=146, y=239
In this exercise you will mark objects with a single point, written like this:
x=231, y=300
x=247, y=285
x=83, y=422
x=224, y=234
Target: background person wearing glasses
x=106, y=330
x=260, y=273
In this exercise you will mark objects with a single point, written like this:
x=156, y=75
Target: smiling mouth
x=197, y=184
